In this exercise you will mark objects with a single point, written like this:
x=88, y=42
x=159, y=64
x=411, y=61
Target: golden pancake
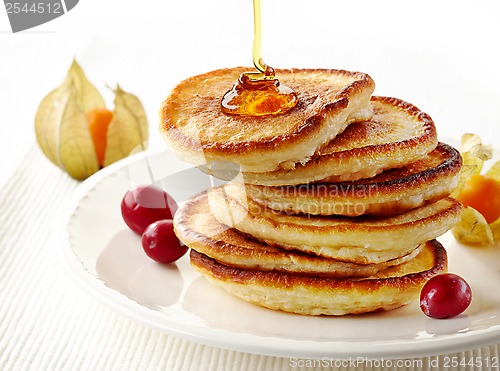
x=196, y=227
x=391, y=192
x=389, y=289
x=397, y=135
x=361, y=240
x=194, y=126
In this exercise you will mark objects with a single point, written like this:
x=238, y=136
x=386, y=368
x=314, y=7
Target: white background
x=441, y=56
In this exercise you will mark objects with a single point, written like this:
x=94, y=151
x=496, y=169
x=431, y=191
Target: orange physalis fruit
x=98, y=120
x=483, y=194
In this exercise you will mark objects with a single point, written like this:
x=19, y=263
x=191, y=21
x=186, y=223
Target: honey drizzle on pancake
x=258, y=93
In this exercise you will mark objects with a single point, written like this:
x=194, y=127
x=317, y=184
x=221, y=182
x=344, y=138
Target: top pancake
x=397, y=135
x=329, y=100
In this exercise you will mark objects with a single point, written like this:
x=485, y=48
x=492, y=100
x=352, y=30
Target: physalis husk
x=62, y=129
x=473, y=228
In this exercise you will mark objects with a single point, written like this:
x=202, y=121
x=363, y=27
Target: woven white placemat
x=48, y=323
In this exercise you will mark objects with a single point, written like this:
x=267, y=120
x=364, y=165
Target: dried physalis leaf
x=128, y=128
x=495, y=229
x=474, y=153
x=76, y=131
x=478, y=191
x=472, y=143
x=473, y=229
x=494, y=171
x=88, y=97
x=61, y=126
x=76, y=149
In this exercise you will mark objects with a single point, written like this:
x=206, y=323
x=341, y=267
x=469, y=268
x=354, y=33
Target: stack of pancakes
x=331, y=208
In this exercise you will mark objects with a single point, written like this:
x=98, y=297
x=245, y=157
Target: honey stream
x=258, y=93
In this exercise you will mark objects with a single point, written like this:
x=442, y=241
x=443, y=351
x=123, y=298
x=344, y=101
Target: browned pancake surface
x=391, y=192
x=193, y=124
x=197, y=228
x=361, y=240
x=301, y=294
x=397, y=135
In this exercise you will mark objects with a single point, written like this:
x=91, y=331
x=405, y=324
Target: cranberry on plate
x=146, y=204
x=445, y=295
x=160, y=242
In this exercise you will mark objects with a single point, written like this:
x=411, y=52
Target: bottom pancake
x=295, y=293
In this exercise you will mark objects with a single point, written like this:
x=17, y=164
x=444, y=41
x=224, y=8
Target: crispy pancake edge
x=345, y=239
x=317, y=295
x=376, y=197
x=221, y=247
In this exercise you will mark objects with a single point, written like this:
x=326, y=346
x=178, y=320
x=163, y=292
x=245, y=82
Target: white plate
x=106, y=258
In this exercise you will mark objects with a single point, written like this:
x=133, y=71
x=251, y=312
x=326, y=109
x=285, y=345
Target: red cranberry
x=143, y=205
x=445, y=295
x=160, y=242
